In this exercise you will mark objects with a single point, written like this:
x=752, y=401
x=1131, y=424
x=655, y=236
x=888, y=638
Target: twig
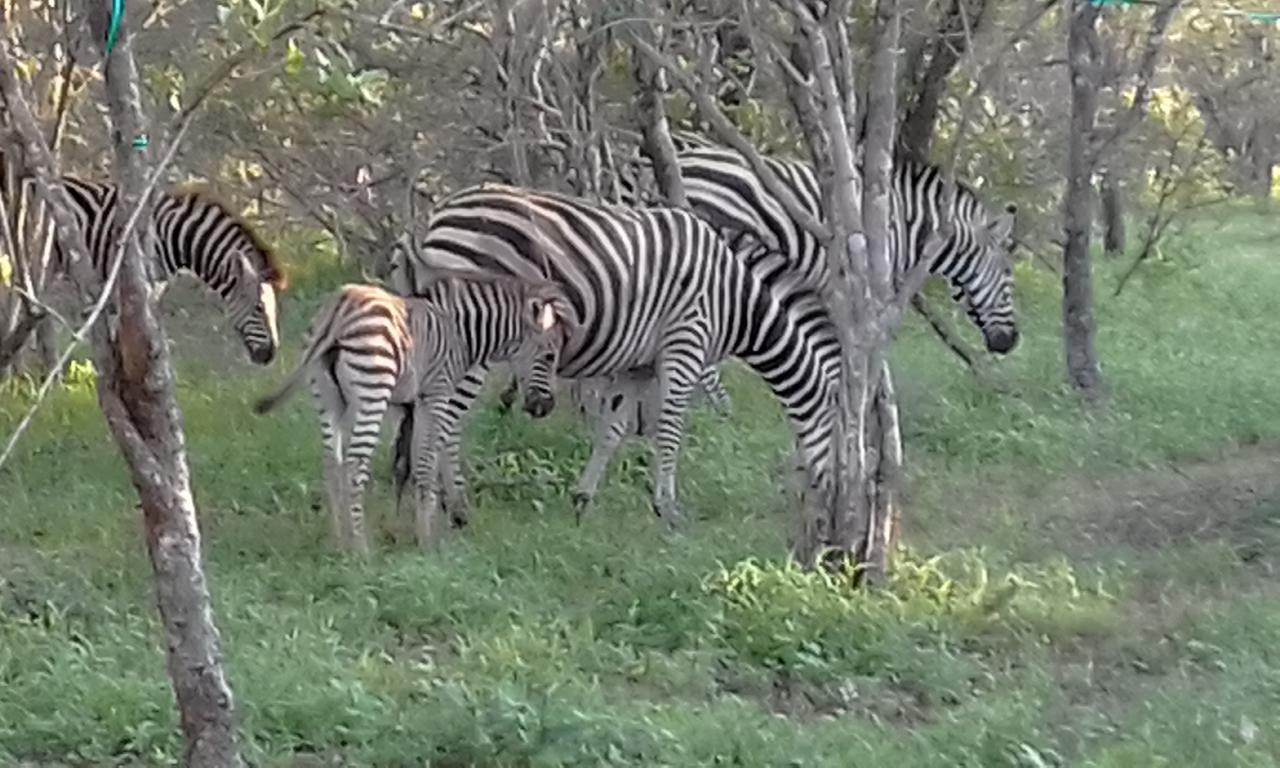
x=943, y=332
x=1146, y=68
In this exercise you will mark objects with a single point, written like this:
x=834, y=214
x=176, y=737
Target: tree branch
x=729, y=134
x=1101, y=143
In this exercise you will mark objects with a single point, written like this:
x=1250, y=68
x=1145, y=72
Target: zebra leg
x=682, y=366
x=715, y=392
x=366, y=426
x=610, y=430
x=426, y=440
x=465, y=392
x=329, y=405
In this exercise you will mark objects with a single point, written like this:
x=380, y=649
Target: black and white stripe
x=659, y=294
x=722, y=188
x=370, y=349
x=194, y=234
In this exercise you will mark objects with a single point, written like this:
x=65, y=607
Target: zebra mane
x=273, y=270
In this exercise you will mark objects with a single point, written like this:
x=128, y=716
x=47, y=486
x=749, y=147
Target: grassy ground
x=1085, y=588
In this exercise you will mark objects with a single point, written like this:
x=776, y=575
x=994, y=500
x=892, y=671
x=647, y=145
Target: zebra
x=658, y=294
x=197, y=234
x=974, y=260
x=722, y=188
x=370, y=349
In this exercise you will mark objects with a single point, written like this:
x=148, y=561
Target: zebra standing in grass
x=370, y=349
x=658, y=293
x=723, y=189
x=974, y=260
x=192, y=233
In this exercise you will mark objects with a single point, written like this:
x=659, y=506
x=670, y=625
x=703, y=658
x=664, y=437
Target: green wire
x=117, y=13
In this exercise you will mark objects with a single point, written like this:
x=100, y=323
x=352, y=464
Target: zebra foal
x=370, y=349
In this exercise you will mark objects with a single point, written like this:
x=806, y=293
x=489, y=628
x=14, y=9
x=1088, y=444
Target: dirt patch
x=1234, y=499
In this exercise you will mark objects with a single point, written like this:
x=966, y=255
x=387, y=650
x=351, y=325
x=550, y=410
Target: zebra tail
x=320, y=343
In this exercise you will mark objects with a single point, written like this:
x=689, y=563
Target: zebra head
x=548, y=321
x=979, y=268
x=252, y=293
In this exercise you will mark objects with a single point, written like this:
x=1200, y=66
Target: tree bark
x=1079, y=327
x=872, y=530
x=651, y=87
x=136, y=393
x=1112, y=215
x=928, y=84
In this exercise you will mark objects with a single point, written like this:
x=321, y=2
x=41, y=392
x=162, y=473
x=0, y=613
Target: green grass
x=1069, y=596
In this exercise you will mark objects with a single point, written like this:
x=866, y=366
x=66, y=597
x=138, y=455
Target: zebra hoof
x=581, y=505
x=458, y=511
x=669, y=514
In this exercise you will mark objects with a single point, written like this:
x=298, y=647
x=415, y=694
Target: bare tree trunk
x=136, y=395
x=651, y=107
x=1112, y=215
x=1079, y=327
x=928, y=84
x=885, y=434
x=873, y=527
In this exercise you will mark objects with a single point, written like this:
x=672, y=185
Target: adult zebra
x=723, y=189
x=195, y=234
x=974, y=260
x=657, y=293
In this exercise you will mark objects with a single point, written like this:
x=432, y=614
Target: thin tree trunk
x=927, y=88
x=136, y=394
x=1079, y=327
x=1112, y=216
x=651, y=107
x=885, y=434
x=879, y=417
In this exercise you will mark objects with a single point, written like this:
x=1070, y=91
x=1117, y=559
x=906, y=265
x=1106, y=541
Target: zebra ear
x=565, y=313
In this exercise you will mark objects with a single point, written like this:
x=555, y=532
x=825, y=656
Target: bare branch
x=729, y=134
x=1101, y=143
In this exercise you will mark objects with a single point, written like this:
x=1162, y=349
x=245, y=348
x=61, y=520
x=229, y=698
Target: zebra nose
x=262, y=355
x=537, y=407
x=1001, y=340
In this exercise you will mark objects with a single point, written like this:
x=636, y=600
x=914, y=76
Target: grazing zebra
x=370, y=348
x=194, y=234
x=659, y=294
x=723, y=189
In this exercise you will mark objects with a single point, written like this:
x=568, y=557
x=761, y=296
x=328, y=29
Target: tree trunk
x=885, y=435
x=651, y=93
x=928, y=84
x=1112, y=216
x=1079, y=328
x=1259, y=158
x=136, y=393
